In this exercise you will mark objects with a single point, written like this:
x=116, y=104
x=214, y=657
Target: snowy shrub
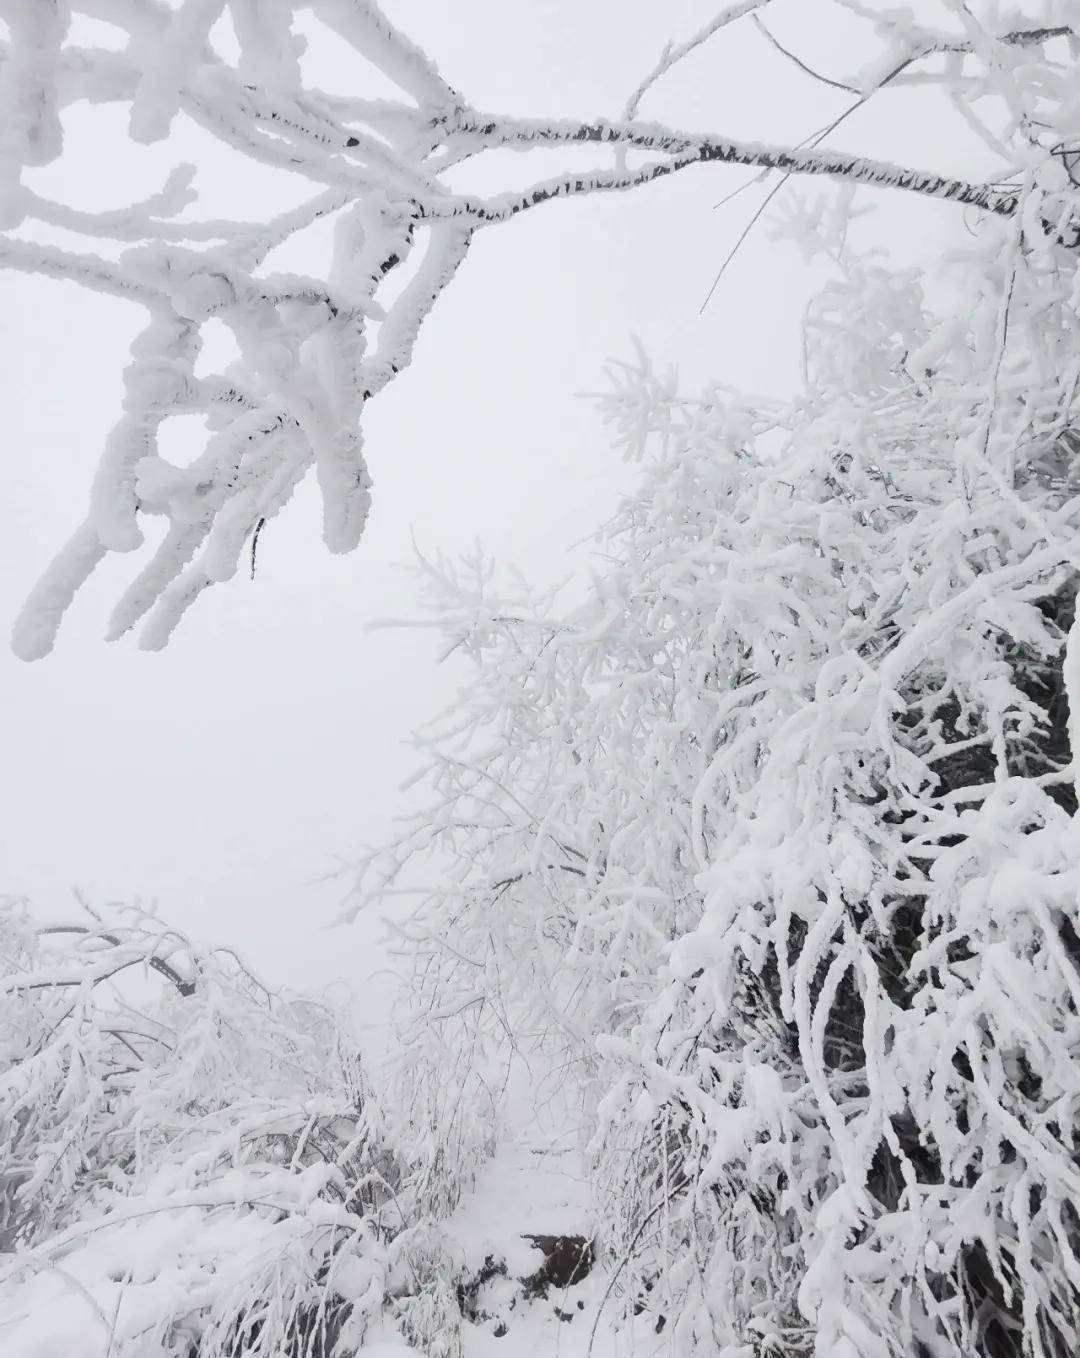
x=189, y=1165
x=771, y=842
x=424, y=1276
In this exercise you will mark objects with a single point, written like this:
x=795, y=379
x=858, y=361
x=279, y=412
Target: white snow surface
x=536, y=1184
x=531, y=1187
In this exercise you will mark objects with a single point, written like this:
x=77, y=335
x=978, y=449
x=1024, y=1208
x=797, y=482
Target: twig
x=672, y=55
x=807, y=70
x=742, y=237
x=618, y=1269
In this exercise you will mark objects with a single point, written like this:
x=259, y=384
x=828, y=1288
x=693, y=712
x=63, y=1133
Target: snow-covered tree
x=771, y=840
x=769, y=843
x=313, y=350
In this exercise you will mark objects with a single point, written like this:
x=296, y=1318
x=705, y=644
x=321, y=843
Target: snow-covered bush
x=771, y=841
x=189, y=1165
x=854, y=1095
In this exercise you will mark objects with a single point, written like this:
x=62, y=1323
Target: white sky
x=221, y=777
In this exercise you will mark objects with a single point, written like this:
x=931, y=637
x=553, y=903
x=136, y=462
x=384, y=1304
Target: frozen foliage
x=189, y=1165
x=313, y=350
x=767, y=846
x=771, y=841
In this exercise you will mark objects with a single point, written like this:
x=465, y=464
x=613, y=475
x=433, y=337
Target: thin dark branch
x=814, y=139
x=742, y=237
x=759, y=24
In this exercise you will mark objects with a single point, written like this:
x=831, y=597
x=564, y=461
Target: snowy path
x=534, y=1186
x=530, y=1187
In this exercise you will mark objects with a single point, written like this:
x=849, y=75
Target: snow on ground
x=530, y=1187
x=536, y=1185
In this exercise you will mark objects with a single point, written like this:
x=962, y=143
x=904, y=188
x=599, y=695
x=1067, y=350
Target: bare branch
x=759, y=24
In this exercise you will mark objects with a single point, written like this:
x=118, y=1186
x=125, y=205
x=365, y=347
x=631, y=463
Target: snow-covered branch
x=312, y=352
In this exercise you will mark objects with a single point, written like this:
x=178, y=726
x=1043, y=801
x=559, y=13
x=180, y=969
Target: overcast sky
x=222, y=777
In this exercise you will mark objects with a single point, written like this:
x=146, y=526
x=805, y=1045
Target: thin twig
x=742, y=237
x=672, y=55
x=618, y=1269
x=807, y=70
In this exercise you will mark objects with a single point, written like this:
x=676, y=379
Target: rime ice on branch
x=314, y=350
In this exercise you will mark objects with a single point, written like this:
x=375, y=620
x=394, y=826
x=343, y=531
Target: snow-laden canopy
x=312, y=350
